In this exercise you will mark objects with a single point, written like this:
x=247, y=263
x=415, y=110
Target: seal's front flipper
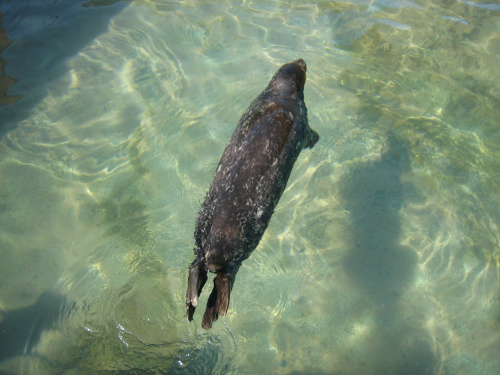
x=218, y=302
x=312, y=138
x=196, y=281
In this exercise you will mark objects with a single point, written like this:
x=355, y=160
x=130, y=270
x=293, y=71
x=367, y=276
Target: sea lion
x=247, y=185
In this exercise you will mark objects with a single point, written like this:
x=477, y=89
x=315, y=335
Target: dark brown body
x=247, y=185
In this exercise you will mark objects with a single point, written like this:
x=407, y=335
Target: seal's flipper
x=312, y=138
x=196, y=281
x=218, y=302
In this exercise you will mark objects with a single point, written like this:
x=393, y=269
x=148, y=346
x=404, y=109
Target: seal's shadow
x=374, y=196
x=379, y=265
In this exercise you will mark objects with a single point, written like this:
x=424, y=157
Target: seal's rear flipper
x=218, y=302
x=196, y=281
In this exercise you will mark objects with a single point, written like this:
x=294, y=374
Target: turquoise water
x=383, y=255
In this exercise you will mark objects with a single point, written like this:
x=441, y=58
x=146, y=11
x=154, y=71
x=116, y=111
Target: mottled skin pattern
x=247, y=185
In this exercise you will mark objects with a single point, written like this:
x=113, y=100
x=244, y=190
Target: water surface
x=383, y=255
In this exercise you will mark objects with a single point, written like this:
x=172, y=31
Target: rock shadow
x=39, y=39
x=21, y=329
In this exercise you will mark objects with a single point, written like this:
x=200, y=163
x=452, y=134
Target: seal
x=247, y=185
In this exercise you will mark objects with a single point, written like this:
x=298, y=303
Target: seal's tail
x=218, y=302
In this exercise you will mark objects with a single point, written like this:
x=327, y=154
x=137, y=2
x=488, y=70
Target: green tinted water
x=383, y=255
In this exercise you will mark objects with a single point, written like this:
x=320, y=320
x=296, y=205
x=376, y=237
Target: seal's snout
x=301, y=63
x=289, y=80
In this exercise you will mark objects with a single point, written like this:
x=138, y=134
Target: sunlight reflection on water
x=383, y=255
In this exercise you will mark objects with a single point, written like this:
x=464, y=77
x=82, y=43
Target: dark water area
x=36, y=39
x=21, y=329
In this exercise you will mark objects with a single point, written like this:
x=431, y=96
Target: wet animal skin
x=247, y=185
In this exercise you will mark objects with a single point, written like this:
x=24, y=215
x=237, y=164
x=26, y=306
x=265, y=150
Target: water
x=383, y=255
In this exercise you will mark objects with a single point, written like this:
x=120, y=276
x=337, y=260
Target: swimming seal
x=247, y=185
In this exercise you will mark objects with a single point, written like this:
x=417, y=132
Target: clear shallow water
x=383, y=255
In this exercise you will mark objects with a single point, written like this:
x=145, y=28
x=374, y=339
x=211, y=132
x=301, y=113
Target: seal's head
x=289, y=80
